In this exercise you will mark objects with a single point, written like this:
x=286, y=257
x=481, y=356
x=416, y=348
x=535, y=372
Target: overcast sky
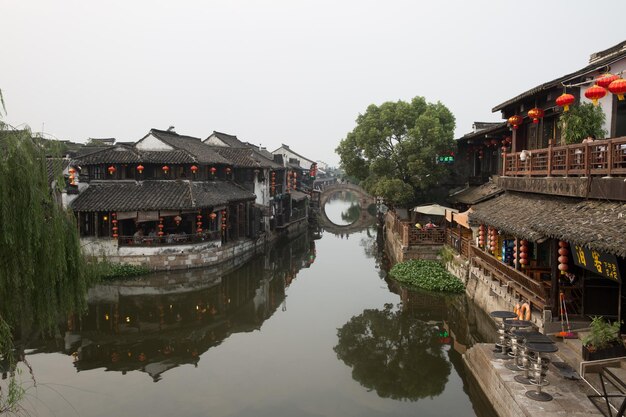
x=284, y=71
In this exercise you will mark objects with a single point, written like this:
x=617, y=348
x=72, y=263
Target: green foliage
x=582, y=121
x=446, y=254
x=603, y=334
x=428, y=275
x=111, y=271
x=393, y=149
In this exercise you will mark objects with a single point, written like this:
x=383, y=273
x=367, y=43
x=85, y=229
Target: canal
x=312, y=328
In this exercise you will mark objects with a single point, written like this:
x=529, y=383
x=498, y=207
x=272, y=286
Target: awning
x=433, y=209
x=595, y=224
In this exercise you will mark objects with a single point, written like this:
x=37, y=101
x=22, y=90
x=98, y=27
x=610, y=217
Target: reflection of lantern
x=140, y=168
x=618, y=87
x=112, y=170
x=515, y=120
x=564, y=100
x=595, y=93
x=165, y=168
x=536, y=114
x=194, y=169
x=563, y=257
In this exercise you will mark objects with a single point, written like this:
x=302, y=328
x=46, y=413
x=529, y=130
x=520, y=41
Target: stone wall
x=167, y=258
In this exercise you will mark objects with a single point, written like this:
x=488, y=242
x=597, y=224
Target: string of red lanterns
x=114, y=222
x=160, y=233
x=523, y=253
x=481, y=236
x=199, y=223
x=563, y=257
x=223, y=221
x=273, y=183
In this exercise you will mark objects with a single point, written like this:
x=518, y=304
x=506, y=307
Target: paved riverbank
x=508, y=396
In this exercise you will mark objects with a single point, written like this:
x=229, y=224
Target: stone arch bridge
x=364, y=199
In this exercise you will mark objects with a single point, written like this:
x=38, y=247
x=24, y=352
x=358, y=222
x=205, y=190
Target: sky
x=280, y=71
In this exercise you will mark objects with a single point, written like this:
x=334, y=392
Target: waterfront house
x=550, y=229
x=166, y=190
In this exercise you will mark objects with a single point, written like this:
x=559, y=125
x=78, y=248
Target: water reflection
x=343, y=208
x=169, y=319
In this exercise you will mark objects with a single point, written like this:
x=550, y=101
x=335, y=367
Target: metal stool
x=503, y=343
x=540, y=368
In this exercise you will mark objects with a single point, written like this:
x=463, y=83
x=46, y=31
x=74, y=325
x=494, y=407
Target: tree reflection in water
x=396, y=354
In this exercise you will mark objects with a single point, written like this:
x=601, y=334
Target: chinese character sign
x=599, y=262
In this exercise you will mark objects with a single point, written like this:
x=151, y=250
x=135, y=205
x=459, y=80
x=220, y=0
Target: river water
x=310, y=329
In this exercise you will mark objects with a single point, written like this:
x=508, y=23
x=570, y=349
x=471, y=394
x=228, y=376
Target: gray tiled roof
x=246, y=157
x=202, y=152
x=157, y=195
x=229, y=140
x=596, y=224
x=132, y=155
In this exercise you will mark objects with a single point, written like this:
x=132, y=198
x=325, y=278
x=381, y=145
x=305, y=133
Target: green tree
x=582, y=121
x=42, y=271
x=394, y=147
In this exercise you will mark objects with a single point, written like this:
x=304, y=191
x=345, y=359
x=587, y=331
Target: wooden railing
x=412, y=236
x=598, y=158
x=169, y=240
x=523, y=285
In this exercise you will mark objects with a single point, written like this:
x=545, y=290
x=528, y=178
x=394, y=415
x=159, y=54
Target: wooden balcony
x=519, y=283
x=603, y=158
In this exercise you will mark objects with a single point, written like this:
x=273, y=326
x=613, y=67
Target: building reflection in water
x=165, y=320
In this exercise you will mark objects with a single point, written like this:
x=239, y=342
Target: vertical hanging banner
x=601, y=263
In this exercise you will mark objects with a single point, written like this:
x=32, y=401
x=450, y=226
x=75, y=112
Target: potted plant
x=603, y=341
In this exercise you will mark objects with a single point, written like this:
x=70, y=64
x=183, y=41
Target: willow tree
x=42, y=273
x=393, y=149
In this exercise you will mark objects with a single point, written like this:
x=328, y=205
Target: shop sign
x=601, y=263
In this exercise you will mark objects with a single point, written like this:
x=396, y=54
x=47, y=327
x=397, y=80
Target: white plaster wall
x=108, y=247
x=212, y=140
x=607, y=101
x=152, y=143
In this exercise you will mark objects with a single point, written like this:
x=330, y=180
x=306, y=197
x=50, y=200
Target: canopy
x=433, y=210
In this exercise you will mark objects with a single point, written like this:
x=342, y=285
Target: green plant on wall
x=582, y=121
x=603, y=334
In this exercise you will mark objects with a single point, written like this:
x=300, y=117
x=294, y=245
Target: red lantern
x=563, y=258
x=564, y=100
x=212, y=216
x=177, y=219
x=228, y=170
x=194, y=169
x=595, y=93
x=515, y=121
x=618, y=87
x=523, y=253
x=112, y=170
x=165, y=168
x=536, y=114
x=213, y=170
x=606, y=79
x=140, y=168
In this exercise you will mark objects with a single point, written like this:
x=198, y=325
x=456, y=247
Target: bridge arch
x=364, y=199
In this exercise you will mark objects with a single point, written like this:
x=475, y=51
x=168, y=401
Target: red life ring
x=524, y=312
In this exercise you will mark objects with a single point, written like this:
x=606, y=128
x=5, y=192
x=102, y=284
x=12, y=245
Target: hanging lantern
x=523, y=253
x=111, y=170
x=178, y=219
x=480, y=154
x=606, y=79
x=212, y=216
x=494, y=142
x=515, y=251
x=213, y=170
x=618, y=87
x=228, y=170
x=564, y=100
x=515, y=120
x=194, y=169
x=223, y=220
x=73, y=177
x=536, y=114
x=481, y=236
x=563, y=257
x=165, y=169
x=114, y=222
x=595, y=93
x=140, y=168
x=199, y=223
x=160, y=233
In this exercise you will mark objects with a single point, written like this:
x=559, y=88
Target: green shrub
x=109, y=271
x=428, y=275
x=603, y=334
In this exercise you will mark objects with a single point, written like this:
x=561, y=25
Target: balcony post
x=549, y=158
x=609, y=159
x=587, y=160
